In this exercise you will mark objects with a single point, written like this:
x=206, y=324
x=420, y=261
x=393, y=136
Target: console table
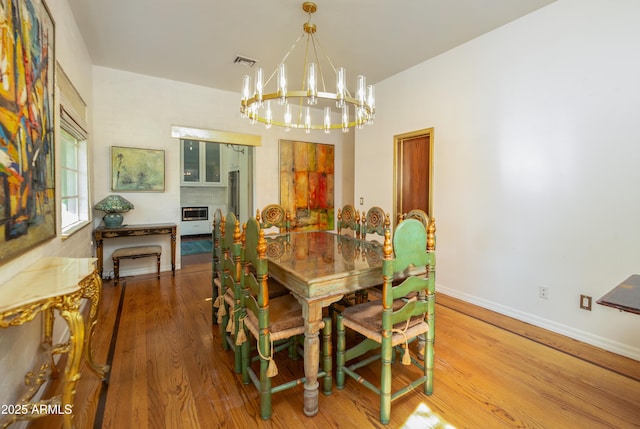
x=103, y=232
x=625, y=296
x=53, y=284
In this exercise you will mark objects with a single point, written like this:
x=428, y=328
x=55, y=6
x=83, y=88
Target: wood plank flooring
x=169, y=371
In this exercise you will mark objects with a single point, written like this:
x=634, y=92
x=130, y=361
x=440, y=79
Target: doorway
x=413, y=172
x=216, y=173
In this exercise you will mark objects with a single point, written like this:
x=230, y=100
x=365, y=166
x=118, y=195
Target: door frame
x=229, y=139
x=398, y=141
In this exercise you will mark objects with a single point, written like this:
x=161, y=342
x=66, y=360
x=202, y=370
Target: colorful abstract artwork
x=27, y=175
x=307, y=184
x=137, y=170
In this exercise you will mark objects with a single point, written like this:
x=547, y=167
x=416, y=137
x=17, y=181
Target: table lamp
x=113, y=205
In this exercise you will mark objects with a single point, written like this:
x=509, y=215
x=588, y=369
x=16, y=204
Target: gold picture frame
x=137, y=170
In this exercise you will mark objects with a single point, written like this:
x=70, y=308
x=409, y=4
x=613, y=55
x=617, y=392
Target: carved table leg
x=71, y=313
x=173, y=253
x=312, y=313
x=99, y=254
x=47, y=319
x=312, y=318
x=92, y=290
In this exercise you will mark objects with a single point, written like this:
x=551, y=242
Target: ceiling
x=196, y=41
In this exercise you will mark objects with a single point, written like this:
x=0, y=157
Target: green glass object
x=113, y=220
x=113, y=205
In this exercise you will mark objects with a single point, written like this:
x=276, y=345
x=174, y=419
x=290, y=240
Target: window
x=74, y=172
x=74, y=184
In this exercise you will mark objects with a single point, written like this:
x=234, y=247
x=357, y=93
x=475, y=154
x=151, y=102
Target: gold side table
x=54, y=284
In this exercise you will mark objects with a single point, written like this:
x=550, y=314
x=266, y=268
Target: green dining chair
x=373, y=222
x=418, y=214
x=274, y=216
x=388, y=326
x=231, y=287
x=423, y=217
x=349, y=219
x=275, y=327
x=216, y=264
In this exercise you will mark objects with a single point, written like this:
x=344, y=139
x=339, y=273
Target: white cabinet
x=203, y=163
x=195, y=227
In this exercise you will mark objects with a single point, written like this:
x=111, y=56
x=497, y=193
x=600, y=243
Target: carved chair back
x=274, y=216
x=349, y=218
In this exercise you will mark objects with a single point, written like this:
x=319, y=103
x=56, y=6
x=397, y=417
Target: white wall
x=19, y=344
x=138, y=111
x=535, y=164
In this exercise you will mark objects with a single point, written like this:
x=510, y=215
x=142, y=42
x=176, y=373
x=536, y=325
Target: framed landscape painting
x=27, y=105
x=137, y=170
x=307, y=184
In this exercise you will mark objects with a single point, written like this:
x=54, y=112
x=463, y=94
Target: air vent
x=244, y=61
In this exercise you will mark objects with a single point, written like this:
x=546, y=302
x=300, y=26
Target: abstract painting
x=137, y=170
x=307, y=184
x=27, y=175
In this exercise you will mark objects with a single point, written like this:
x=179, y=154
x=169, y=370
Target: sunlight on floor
x=424, y=418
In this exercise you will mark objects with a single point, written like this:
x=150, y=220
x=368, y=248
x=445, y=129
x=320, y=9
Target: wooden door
x=413, y=165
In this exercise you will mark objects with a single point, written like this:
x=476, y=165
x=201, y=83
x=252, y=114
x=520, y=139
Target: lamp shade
x=114, y=204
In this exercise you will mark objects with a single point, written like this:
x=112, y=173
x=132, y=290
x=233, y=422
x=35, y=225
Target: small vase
x=113, y=220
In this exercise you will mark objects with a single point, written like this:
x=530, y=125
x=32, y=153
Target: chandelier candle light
x=276, y=108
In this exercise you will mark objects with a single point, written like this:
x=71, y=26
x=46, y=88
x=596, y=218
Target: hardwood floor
x=169, y=371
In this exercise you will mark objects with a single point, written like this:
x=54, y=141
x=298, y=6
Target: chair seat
x=276, y=289
x=228, y=293
x=366, y=318
x=230, y=300
x=137, y=251
x=285, y=315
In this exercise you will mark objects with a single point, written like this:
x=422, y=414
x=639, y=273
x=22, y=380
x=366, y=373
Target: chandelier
x=314, y=106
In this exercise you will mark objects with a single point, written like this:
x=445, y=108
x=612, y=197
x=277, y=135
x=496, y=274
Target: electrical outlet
x=585, y=302
x=361, y=201
x=544, y=292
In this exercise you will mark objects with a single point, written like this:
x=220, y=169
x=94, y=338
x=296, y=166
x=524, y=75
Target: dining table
x=319, y=268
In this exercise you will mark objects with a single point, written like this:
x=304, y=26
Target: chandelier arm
x=315, y=38
x=319, y=65
x=284, y=59
x=318, y=46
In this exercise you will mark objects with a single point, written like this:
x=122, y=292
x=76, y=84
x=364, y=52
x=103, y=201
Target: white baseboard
x=568, y=331
x=141, y=271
